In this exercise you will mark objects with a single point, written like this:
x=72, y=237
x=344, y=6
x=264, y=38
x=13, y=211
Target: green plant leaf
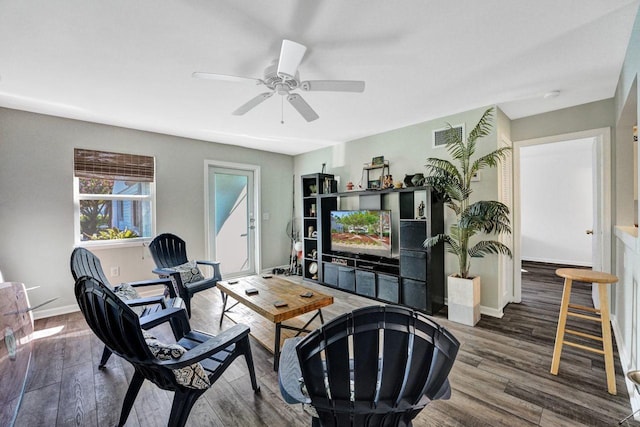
x=489, y=247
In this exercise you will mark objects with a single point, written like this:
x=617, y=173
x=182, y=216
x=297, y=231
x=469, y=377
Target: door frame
x=256, y=205
x=601, y=136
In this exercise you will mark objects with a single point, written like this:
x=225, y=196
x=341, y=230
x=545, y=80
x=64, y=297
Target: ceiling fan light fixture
x=291, y=55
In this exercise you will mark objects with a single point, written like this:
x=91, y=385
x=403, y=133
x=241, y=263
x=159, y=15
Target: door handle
x=589, y=231
x=243, y=235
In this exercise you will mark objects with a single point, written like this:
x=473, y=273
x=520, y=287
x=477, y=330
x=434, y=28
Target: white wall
x=556, y=194
x=36, y=199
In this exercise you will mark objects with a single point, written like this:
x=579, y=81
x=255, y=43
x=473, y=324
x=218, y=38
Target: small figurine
x=387, y=181
x=349, y=186
x=421, y=210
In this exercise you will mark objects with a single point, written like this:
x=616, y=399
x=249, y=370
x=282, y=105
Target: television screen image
x=362, y=232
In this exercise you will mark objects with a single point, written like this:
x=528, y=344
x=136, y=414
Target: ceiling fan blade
x=253, y=102
x=303, y=108
x=291, y=55
x=333, y=85
x=225, y=77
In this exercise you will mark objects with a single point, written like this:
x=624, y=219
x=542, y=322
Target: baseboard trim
x=50, y=312
x=558, y=261
x=625, y=360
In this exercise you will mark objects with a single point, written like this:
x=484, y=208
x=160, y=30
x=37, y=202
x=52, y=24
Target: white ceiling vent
x=440, y=135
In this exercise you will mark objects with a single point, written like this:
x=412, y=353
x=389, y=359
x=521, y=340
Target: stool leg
x=562, y=322
x=606, y=338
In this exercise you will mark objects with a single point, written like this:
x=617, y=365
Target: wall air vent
x=440, y=135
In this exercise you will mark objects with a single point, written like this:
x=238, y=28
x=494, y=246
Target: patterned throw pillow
x=192, y=376
x=189, y=272
x=126, y=292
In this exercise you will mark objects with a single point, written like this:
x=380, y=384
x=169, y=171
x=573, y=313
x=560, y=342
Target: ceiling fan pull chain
x=282, y=110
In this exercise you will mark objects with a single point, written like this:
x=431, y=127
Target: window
x=114, y=196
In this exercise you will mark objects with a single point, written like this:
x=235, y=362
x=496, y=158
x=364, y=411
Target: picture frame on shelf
x=377, y=161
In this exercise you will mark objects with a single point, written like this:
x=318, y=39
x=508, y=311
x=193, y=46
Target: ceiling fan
x=282, y=77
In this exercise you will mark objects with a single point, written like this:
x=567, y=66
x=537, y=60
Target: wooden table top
x=271, y=290
x=584, y=275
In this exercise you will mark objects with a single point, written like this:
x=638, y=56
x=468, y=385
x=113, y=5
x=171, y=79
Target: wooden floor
x=500, y=378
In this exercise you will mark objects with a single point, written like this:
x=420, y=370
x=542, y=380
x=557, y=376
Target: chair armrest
x=289, y=373
x=174, y=314
x=216, y=268
x=211, y=263
x=209, y=348
x=157, y=299
x=164, y=272
x=154, y=282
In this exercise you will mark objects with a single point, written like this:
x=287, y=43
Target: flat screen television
x=363, y=231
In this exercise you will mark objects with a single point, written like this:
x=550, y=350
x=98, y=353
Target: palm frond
x=489, y=247
x=451, y=245
x=489, y=160
x=489, y=216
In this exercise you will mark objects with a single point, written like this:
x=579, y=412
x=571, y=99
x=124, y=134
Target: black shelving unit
x=414, y=276
x=316, y=219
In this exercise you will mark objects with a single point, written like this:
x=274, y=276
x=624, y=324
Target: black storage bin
x=413, y=234
x=413, y=264
x=331, y=274
x=366, y=283
x=414, y=294
x=346, y=278
x=388, y=288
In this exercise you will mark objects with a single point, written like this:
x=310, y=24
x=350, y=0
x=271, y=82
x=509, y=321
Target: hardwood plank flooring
x=500, y=378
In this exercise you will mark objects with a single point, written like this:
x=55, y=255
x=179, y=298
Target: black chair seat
x=118, y=327
x=376, y=366
x=85, y=263
x=169, y=252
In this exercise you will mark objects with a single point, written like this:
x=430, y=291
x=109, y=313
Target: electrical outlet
x=115, y=271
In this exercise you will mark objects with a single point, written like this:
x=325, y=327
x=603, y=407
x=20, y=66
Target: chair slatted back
x=168, y=250
x=85, y=263
x=118, y=327
x=375, y=365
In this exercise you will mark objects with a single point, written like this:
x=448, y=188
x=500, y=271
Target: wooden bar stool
x=601, y=315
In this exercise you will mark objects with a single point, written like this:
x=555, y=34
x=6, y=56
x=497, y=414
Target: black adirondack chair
x=85, y=263
x=119, y=329
x=170, y=251
x=376, y=366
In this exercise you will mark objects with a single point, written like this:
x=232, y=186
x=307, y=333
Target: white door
x=232, y=220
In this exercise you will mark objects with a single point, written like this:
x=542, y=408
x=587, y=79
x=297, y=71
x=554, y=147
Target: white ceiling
x=129, y=63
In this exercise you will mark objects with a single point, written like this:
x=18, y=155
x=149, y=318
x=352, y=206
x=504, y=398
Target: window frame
x=136, y=241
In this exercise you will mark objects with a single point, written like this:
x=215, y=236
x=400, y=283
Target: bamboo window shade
x=115, y=166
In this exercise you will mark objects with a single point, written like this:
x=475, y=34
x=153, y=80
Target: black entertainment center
x=411, y=275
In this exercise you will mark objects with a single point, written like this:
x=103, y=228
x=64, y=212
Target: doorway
x=599, y=241
x=231, y=206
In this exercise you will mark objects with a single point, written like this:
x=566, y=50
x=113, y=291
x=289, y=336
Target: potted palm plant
x=452, y=179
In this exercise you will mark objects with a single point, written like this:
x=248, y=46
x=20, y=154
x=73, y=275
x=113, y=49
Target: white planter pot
x=464, y=300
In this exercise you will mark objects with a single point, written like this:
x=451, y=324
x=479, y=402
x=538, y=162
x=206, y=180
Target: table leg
x=224, y=306
x=562, y=322
x=606, y=338
x=321, y=318
x=276, y=348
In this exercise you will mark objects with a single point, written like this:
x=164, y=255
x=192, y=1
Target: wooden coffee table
x=272, y=289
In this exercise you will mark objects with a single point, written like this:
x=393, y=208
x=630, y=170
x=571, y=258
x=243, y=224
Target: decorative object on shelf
x=310, y=230
x=407, y=180
x=387, y=181
x=312, y=211
x=421, y=210
x=398, y=185
x=381, y=170
x=453, y=183
x=349, y=186
x=313, y=269
x=314, y=234
x=313, y=189
x=314, y=254
x=377, y=161
x=326, y=187
x=417, y=180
